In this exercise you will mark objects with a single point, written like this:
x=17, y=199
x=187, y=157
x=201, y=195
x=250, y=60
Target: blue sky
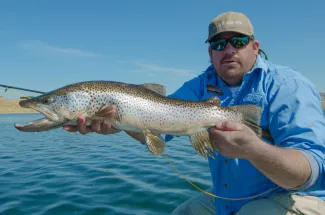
x=48, y=44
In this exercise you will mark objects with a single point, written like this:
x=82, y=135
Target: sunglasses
x=236, y=42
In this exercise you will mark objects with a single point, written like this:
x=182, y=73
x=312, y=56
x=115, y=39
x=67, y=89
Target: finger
x=95, y=126
x=70, y=128
x=82, y=128
x=220, y=136
x=215, y=134
x=228, y=126
x=107, y=127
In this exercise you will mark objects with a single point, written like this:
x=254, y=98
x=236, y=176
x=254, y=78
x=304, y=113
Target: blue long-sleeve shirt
x=292, y=113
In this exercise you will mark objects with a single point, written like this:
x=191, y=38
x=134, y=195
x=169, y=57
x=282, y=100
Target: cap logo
x=220, y=24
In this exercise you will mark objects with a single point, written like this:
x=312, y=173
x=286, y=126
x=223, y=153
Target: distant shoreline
x=3, y=113
x=11, y=106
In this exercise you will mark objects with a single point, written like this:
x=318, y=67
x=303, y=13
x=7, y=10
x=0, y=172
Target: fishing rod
x=18, y=88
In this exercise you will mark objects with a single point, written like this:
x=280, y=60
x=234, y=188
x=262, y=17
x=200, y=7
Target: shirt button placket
x=226, y=185
x=226, y=162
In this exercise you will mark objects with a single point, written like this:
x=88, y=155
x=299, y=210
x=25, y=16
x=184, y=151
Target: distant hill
x=12, y=106
x=322, y=95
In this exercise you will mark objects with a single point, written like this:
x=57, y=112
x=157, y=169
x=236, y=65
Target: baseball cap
x=230, y=22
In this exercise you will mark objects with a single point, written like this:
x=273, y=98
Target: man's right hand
x=98, y=126
x=101, y=126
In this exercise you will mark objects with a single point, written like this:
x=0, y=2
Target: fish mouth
x=41, y=108
x=49, y=122
x=43, y=124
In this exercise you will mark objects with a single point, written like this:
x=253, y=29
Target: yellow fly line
x=210, y=194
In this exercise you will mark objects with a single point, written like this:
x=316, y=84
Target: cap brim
x=233, y=31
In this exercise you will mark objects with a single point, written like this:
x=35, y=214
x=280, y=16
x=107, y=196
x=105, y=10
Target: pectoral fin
x=106, y=112
x=202, y=144
x=154, y=142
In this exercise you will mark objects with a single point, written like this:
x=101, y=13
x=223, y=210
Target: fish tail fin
x=252, y=117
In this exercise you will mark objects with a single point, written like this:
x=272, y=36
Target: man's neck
x=234, y=85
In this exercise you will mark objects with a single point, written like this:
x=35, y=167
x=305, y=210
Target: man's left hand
x=234, y=140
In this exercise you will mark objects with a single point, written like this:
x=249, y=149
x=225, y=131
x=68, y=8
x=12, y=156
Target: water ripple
x=57, y=172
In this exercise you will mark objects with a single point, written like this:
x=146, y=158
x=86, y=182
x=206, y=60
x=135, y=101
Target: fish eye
x=46, y=101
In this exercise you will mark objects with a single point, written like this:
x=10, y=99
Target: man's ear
x=210, y=52
x=256, y=46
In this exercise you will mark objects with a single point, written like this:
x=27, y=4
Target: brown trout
x=140, y=108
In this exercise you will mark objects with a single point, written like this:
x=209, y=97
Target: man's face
x=232, y=63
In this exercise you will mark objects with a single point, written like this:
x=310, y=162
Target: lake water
x=58, y=172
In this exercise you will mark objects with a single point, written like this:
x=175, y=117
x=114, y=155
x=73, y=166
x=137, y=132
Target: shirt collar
x=260, y=65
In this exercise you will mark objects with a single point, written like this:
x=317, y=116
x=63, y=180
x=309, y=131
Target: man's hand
x=234, y=140
x=286, y=167
x=101, y=126
x=98, y=126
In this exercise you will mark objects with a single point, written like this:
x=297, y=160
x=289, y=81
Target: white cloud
x=39, y=45
x=155, y=70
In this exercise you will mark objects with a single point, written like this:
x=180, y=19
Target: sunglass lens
x=238, y=42
x=219, y=44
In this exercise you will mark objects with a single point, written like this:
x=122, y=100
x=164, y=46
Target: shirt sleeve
x=297, y=121
x=190, y=90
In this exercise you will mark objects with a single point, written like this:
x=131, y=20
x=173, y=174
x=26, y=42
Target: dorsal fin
x=158, y=88
x=213, y=100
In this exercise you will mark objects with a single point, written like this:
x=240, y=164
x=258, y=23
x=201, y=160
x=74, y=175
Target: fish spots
x=139, y=106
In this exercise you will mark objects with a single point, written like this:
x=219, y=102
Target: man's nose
x=229, y=49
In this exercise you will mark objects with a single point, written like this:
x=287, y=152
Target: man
x=244, y=165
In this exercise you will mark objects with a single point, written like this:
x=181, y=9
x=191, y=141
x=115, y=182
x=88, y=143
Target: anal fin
x=202, y=144
x=154, y=142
